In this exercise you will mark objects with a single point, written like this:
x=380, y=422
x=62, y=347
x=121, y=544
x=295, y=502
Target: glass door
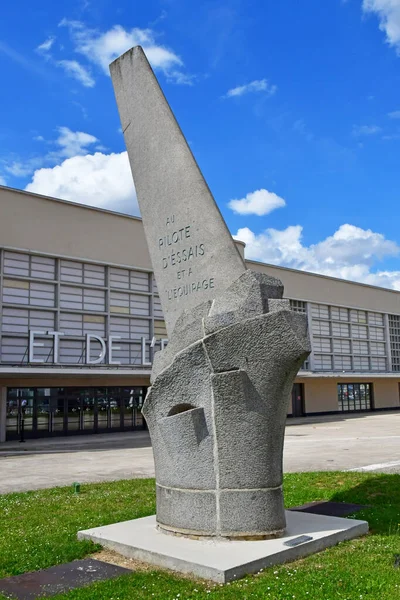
x=20, y=412
x=88, y=410
x=114, y=402
x=128, y=402
x=103, y=409
x=44, y=421
x=12, y=414
x=73, y=410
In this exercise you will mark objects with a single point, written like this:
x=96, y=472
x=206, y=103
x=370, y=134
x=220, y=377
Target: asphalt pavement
x=365, y=442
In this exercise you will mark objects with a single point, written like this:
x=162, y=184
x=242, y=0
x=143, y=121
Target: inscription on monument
x=192, y=252
x=179, y=255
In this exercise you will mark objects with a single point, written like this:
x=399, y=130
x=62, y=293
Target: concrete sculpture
x=216, y=412
x=217, y=407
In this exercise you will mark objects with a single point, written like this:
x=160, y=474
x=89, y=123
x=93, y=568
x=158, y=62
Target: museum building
x=80, y=320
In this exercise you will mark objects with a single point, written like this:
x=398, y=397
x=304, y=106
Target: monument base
x=223, y=560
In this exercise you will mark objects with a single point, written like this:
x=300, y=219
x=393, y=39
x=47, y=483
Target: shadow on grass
x=378, y=490
x=382, y=496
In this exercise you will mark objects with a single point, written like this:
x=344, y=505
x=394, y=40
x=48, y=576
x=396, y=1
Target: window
x=158, y=314
x=341, y=346
x=375, y=319
x=360, y=347
x=322, y=362
x=21, y=320
x=342, y=363
x=321, y=327
x=361, y=363
x=377, y=349
x=320, y=311
x=354, y=396
x=360, y=331
x=394, y=332
x=298, y=306
x=28, y=292
x=377, y=333
x=358, y=316
x=340, y=330
x=129, y=280
x=322, y=345
x=26, y=265
x=378, y=364
x=339, y=314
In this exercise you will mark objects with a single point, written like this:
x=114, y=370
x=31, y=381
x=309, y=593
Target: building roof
x=136, y=251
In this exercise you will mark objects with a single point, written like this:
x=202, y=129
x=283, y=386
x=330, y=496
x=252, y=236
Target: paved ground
x=369, y=443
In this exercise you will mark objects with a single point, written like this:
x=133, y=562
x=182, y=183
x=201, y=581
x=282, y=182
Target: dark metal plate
x=61, y=578
x=330, y=509
x=301, y=539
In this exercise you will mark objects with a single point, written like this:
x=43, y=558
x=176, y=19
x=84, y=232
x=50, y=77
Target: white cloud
x=71, y=67
x=19, y=168
x=77, y=71
x=388, y=13
x=67, y=144
x=359, y=130
x=350, y=253
x=261, y=202
x=394, y=114
x=73, y=142
x=258, y=85
x=102, y=48
x=46, y=45
x=2, y=181
x=102, y=180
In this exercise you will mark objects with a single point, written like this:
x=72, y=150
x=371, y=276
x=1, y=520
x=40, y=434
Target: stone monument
x=216, y=409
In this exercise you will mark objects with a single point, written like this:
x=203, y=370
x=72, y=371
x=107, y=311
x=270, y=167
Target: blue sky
x=292, y=110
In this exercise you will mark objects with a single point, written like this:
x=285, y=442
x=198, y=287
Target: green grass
x=38, y=529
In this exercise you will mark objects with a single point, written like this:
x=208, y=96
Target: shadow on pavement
x=337, y=417
x=90, y=443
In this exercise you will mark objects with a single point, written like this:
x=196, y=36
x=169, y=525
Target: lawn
x=38, y=529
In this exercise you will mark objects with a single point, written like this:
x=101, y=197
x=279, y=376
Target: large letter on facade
x=102, y=354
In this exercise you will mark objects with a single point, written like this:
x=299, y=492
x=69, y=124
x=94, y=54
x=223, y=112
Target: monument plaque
x=192, y=252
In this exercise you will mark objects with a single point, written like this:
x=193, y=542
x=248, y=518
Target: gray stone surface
x=174, y=506
x=216, y=410
x=250, y=421
x=248, y=296
x=261, y=513
x=192, y=252
x=188, y=330
x=183, y=452
x=223, y=560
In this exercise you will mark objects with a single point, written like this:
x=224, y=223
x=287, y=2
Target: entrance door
x=43, y=413
x=132, y=399
x=20, y=412
x=298, y=400
x=108, y=409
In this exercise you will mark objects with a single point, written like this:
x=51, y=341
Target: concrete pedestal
x=223, y=560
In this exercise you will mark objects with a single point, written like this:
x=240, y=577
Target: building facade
x=80, y=320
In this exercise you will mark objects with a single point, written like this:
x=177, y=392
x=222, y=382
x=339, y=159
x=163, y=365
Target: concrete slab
x=59, y=579
x=223, y=560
